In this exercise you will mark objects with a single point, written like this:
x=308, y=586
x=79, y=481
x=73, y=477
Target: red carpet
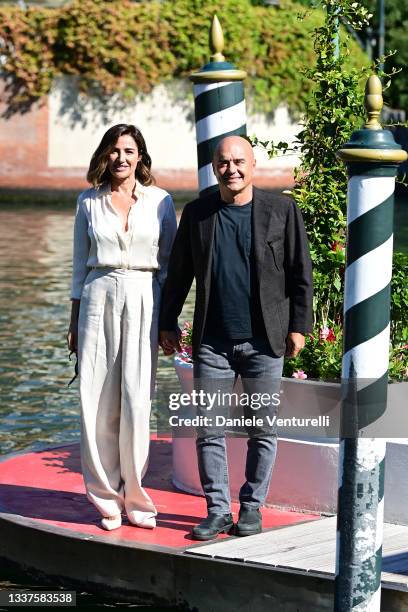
x=47, y=486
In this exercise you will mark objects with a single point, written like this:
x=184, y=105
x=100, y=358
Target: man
x=247, y=250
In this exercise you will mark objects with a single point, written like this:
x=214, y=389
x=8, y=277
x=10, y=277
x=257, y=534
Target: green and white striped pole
x=372, y=157
x=219, y=103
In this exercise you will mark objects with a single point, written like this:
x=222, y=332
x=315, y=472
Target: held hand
x=72, y=338
x=170, y=342
x=294, y=344
x=72, y=335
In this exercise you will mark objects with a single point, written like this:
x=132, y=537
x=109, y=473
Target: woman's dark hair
x=98, y=172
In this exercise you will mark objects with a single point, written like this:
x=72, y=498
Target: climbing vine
x=334, y=110
x=127, y=48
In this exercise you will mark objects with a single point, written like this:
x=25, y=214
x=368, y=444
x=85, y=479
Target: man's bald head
x=234, y=165
x=234, y=141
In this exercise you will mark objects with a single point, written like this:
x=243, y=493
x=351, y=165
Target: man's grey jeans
x=216, y=367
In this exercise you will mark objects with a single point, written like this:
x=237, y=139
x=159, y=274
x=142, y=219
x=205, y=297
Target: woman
x=123, y=233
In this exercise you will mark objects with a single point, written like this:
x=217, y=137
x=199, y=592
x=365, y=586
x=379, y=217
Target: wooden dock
x=311, y=548
x=49, y=529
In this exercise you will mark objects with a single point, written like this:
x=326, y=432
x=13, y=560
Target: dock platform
x=49, y=529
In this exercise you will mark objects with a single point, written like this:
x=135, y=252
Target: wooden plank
x=303, y=556
x=310, y=548
x=395, y=580
x=394, y=528
x=394, y=545
x=275, y=540
x=270, y=549
x=393, y=549
x=321, y=563
x=397, y=543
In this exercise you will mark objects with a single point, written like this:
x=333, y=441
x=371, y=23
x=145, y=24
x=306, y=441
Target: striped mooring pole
x=372, y=157
x=219, y=103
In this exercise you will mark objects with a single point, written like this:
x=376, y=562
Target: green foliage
x=398, y=363
x=129, y=47
x=333, y=112
x=399, y=299
x=186, y=342
x=396, y=24
x=26, y=43
x=321, y=357
x=105, y=44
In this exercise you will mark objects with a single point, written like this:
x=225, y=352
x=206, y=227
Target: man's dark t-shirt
x=234, y=310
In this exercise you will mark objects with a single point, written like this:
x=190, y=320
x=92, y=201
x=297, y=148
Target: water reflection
x=36, y=406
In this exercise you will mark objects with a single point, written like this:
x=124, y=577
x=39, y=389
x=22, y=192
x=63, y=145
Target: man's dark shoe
x=211, y=526
x=249, y=522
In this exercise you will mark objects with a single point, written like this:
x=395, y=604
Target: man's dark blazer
x=282, y=258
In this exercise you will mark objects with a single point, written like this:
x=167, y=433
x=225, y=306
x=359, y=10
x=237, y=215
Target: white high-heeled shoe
x=111, y=522
x=146, y=520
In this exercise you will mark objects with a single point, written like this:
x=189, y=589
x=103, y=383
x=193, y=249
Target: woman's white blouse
x=100, y=241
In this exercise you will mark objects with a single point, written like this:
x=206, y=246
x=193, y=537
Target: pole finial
x=373, y=102
x=216, y=41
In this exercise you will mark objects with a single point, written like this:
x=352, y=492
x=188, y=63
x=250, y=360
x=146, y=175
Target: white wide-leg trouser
x=117, y=357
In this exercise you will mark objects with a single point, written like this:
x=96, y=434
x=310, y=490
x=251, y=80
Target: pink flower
x=323, y=333
x=337, y=246
x=185, y=336
x=299, y=374
x=327, y=334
